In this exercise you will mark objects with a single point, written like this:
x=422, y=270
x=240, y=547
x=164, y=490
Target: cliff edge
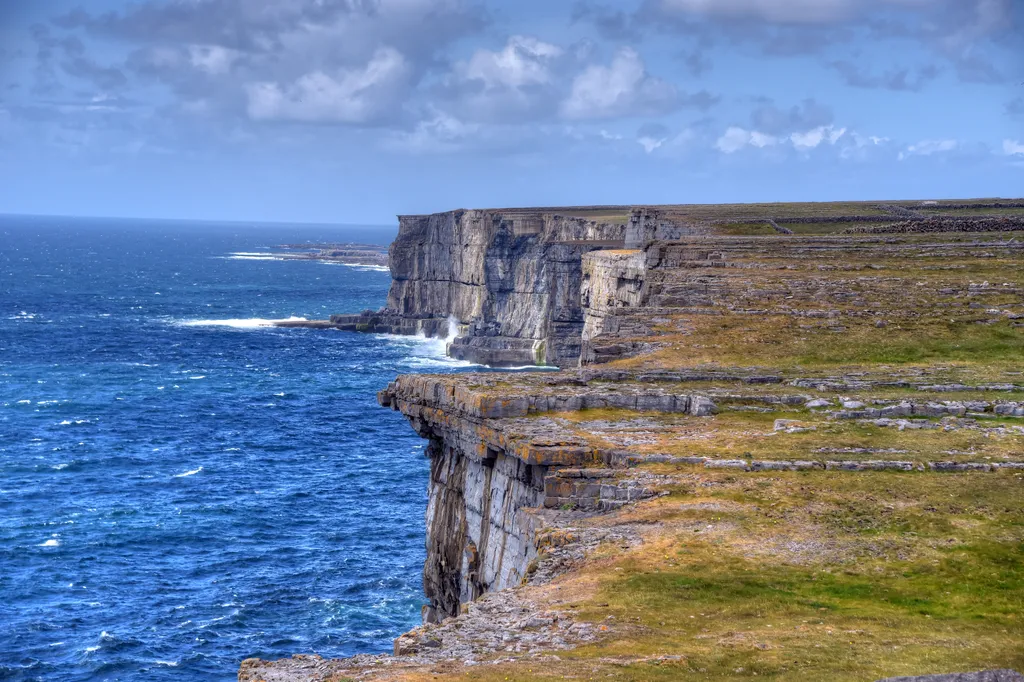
x=787, y=454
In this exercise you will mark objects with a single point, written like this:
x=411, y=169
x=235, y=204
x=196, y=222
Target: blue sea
x=181, y=486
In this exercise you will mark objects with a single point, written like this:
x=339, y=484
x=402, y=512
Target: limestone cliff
x=762, y=382
x=509, y=279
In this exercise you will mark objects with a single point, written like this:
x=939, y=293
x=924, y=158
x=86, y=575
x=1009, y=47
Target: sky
x=353, y=111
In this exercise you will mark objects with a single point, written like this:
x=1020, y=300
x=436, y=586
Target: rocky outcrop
x=479, y=527
x=493, y=467
x=613, y=288
x=513, y=455
x=509, y=281
x=922, y=225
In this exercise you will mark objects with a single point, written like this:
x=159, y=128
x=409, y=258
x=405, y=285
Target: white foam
x=63, y=465
x=193, y=472
x=439, y=362
x=210, y=622
x=90, y=649
x=239, y=323
x=173, y=664
x=52, y=542
x=360, y=266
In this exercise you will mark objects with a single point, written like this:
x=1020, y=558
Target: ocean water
x=180, y=486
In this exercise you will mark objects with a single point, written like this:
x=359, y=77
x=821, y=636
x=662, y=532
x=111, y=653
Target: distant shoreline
x=345, y=254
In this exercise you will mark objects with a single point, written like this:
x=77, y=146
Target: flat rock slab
x=983, y=676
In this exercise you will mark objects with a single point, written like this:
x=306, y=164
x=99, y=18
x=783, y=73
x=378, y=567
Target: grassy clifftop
x=792, y=457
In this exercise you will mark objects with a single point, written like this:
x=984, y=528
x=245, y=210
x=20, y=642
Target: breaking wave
x=238, y=323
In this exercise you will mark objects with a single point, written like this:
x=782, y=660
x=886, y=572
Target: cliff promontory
x=795, y=454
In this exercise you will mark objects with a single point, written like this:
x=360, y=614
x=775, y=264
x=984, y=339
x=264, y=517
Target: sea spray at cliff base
x=182, y=484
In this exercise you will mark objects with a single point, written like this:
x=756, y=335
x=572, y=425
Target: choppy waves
x=269, y=508
x=239, y=323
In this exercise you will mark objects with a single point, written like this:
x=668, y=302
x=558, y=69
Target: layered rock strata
x=508, y=280
x=492, y=466
x=715, y=380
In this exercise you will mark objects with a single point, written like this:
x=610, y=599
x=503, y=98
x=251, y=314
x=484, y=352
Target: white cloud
x=624, y=88
x=928, y=148
x=357, y=95
x=814, y=137
x=440, y=134
x=649, y=143
x=1013, y=148
x=523, y=61
x=862, y=147
x=518, y=82
x=734, y=139
x=762, y=140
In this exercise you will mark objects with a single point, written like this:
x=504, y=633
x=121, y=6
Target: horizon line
x=239, y=221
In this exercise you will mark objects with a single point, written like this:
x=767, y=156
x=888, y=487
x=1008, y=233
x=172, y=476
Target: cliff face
x=760, y=384
x=495, y=466
x=479, y=532
x=510, y=281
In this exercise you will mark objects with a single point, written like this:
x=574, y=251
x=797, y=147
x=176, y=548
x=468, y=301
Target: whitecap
x=239, y=323
x=57, y=644
x=24, y=402
x=418, y=362
x=52, y=542
x=172, y=664
x=203, y=626
x=201, y=376
x=262, y=256
x=62, y=465
x=360, y=266
x=90, y=649
x=193, y=472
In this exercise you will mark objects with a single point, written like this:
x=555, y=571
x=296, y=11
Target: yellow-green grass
x=783, y=343
x=822, y=576
x=751, y=435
